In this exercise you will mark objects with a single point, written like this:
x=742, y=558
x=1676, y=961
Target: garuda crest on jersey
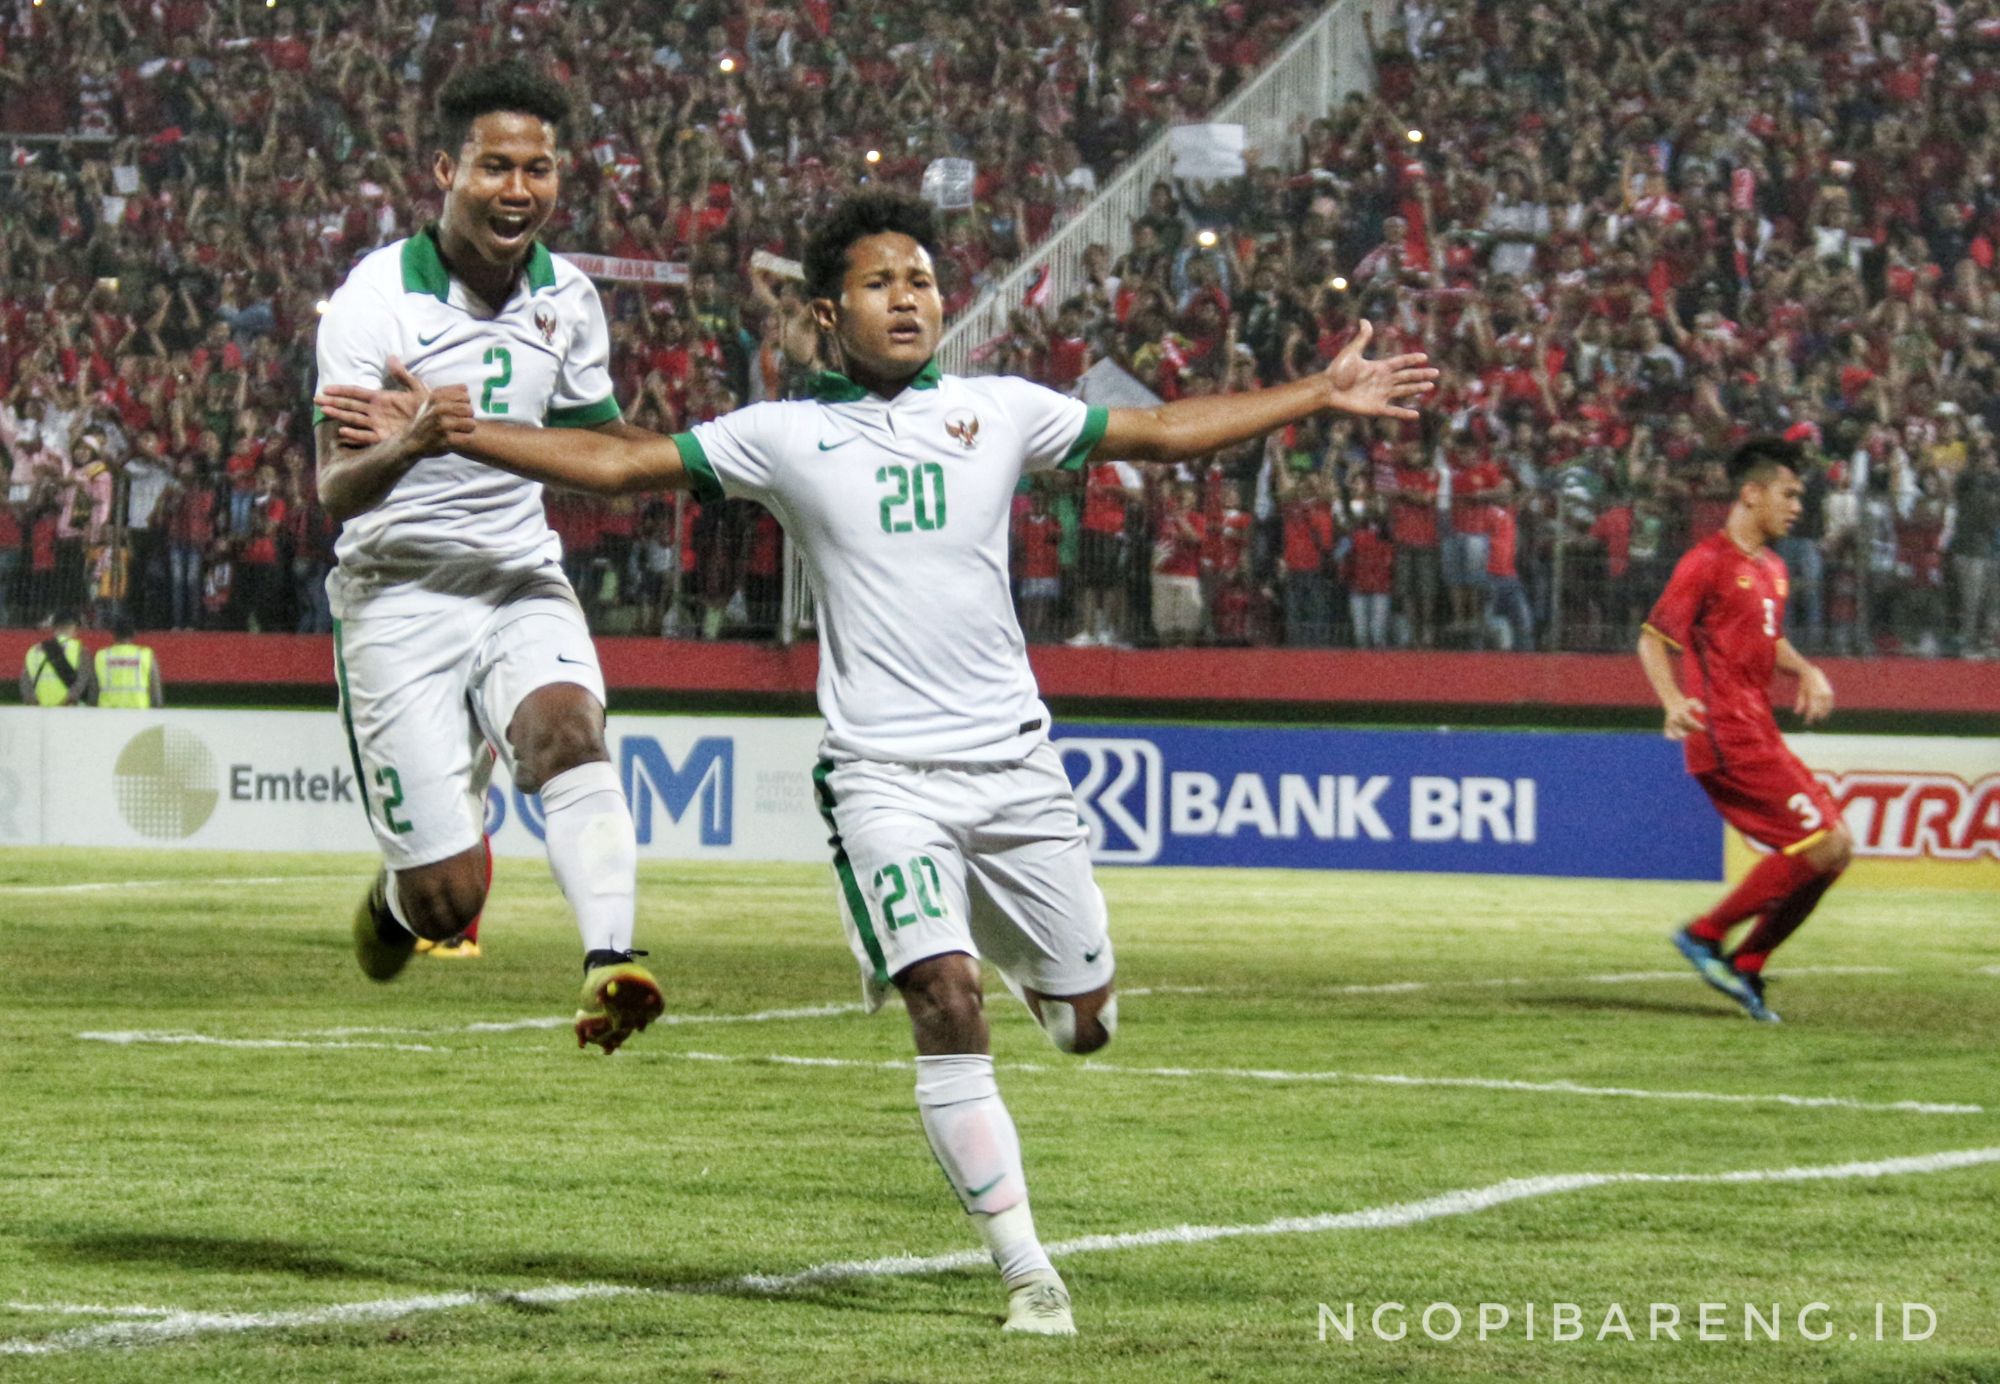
x=545, y=323
x=964, y=427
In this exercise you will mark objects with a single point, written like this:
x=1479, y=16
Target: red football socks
x=1774, y=880
x=1781, y=922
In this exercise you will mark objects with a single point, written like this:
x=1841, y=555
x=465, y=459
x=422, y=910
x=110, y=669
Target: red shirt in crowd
x=1503, y=538
x=1104, y=498
x=1614, y=530
x=262, y=550
x=1039, y=537
x=1413, y=517
x=1308, y=534
x=1371, y=563
x=191, y=518
x=1177, y=551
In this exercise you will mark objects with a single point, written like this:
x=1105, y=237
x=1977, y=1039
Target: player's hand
x=427, y=421
x=1815, y=699
x=1372, y=388
x=1686, y=717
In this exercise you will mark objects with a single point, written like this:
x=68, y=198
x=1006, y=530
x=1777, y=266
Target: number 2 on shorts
x=392, y=799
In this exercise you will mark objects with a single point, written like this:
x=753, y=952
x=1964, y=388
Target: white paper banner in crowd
x=948, y=183
x=1106, y=384
x=125, y=179
x=766, y=262
x=631, y=271
x=1204, y=153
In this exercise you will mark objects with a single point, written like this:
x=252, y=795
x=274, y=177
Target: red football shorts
x=1772, y=798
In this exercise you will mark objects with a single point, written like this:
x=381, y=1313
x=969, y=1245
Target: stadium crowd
x=1628, y=234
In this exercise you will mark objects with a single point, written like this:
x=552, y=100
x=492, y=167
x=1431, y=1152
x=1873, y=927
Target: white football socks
x=593, y=853
x=973, y=1138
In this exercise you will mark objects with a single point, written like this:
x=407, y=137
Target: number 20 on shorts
x=895, y=886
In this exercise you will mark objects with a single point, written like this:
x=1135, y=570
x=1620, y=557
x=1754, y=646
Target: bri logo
x=1120, y=795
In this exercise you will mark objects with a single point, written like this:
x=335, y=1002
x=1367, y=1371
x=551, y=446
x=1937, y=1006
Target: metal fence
x=1313, y=74
x=1317, y=70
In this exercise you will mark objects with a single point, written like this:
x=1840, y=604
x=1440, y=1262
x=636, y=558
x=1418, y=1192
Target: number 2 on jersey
x=499, y=379
x=920, y=488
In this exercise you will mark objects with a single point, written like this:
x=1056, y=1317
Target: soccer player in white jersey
x=955, y=834
x=456, y=636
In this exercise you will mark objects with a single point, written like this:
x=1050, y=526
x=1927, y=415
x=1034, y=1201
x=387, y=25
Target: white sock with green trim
x=593, y=852
x=974, y=1140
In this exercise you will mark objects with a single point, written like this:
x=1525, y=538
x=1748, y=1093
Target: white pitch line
x=101, y=886
x=87, y=1309
x=1557, y=1088
x=761, y=1016
x=1989, y=970
x=1396, y=1215
x=1478, y=1083
x=1398, y=987
x=134, y=1037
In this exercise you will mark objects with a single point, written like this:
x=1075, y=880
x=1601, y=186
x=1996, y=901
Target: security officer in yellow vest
x=57, y=673
x=127, y=673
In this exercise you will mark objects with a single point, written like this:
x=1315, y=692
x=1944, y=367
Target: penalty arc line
x=1396, y=1215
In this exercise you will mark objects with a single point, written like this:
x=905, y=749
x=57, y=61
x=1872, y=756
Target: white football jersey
x=453, y=524
x=901, y=508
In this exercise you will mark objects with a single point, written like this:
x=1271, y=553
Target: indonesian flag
x=1039, y=290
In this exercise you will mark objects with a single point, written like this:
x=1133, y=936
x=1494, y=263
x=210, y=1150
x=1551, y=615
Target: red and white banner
x=631, y=271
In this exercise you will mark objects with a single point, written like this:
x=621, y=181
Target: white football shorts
x=987, y=859
x=427, y=694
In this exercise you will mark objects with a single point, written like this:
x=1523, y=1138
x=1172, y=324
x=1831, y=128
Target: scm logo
x=707, y=777
x=705, y=780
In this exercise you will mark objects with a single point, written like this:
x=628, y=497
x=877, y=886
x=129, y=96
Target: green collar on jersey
x=424, y=271
x=832, y=387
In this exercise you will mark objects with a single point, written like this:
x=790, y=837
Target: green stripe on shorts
x=844, y=868
x=347, y=724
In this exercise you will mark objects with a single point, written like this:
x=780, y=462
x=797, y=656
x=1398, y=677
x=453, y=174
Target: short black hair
x=1758, y=458
x=122, y=629
x=496, y=86
x=64, y=617
x=857, y=218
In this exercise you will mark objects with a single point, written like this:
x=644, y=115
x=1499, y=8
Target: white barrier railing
x=1314, y=72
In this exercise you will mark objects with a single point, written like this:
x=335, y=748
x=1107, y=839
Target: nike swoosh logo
x=1089, y=957
x=565, y=658
x=427, y=340
x=836, y=446
x=977, y=1192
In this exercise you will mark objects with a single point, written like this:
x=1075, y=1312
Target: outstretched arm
x=617, y=459
x=1196, y=427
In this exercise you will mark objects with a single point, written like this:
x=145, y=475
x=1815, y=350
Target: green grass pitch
x=383, y=1191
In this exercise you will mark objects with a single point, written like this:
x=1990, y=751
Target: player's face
x=889, y=315
x=501, y=187
x=1778, y=502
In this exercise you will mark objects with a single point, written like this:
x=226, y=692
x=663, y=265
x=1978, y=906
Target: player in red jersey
x=1724, y=612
